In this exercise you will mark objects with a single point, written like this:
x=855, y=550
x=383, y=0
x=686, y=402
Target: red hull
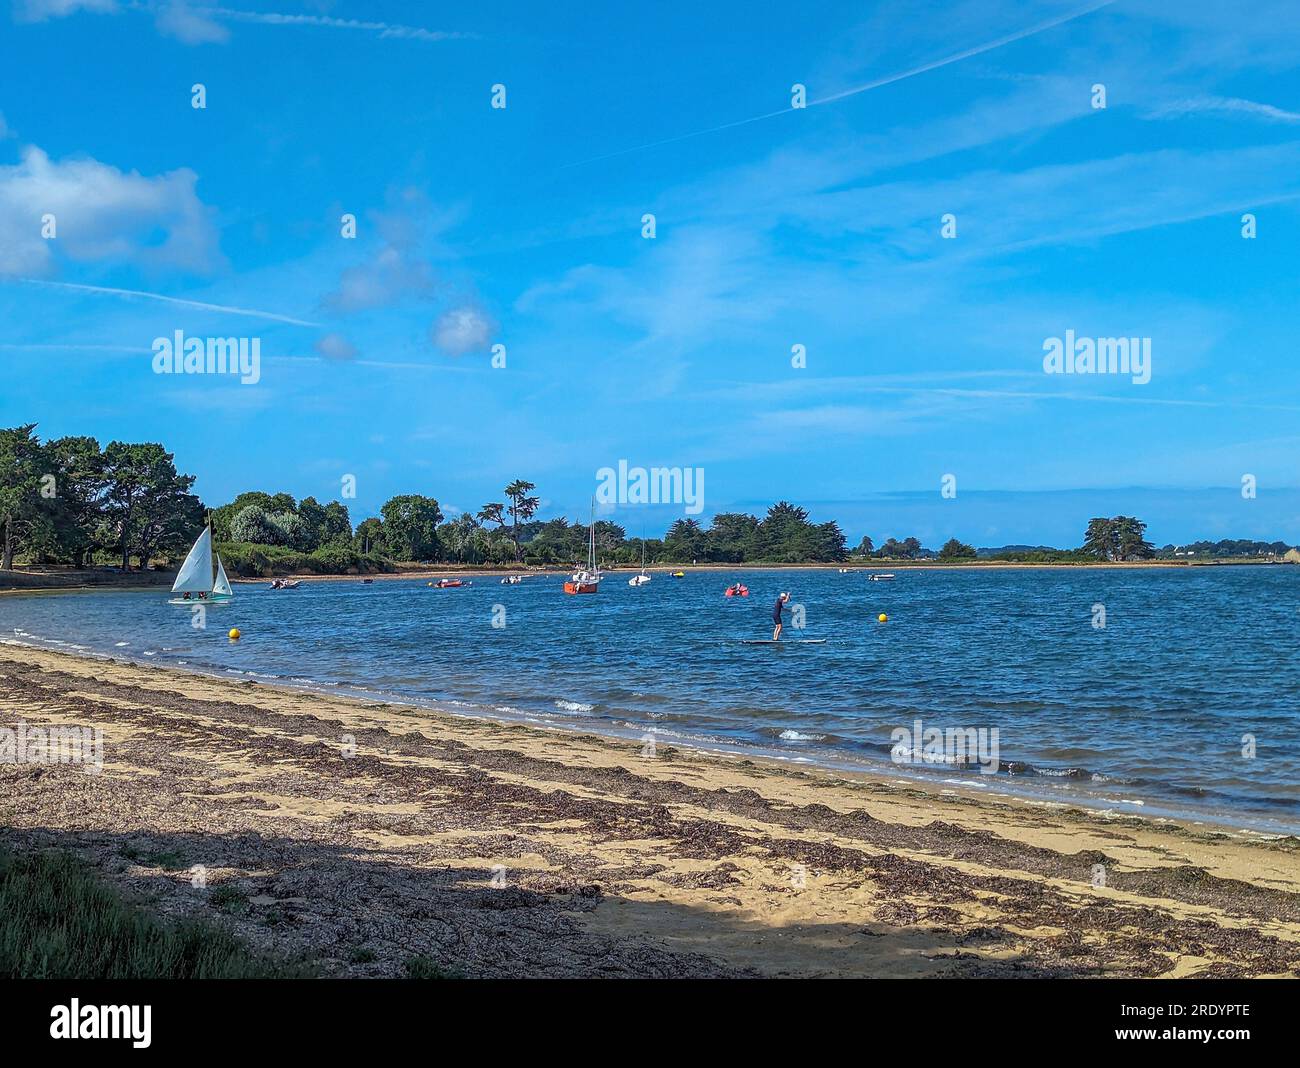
x=581, y=587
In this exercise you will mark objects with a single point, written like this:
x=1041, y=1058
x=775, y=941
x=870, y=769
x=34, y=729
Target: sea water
x=1180, y=696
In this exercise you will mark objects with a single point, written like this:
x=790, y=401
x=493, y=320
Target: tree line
x=68, y=499
x=71, y=501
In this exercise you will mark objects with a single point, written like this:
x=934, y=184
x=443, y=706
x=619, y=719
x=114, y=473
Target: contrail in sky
x=383, y=29
x=1019, y=35
x=169, y=300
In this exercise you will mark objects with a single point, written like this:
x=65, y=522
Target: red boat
x=583, y=582
x=737, y=590
x=447, y=584
x=587, y=580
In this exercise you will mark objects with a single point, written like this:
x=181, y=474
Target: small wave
x=573, y=706
x=1062, y=773
x=920, y=756
x=799, y=736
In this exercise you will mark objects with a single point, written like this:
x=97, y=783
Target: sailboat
x=643, y=578
x=587, y=580
x=195, y=583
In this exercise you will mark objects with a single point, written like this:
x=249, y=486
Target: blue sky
x=817, y=226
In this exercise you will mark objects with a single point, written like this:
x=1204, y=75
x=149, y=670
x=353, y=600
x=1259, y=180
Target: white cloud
x=398, y=269
x=336, y=347
x=189, y=25
x=391, y=274
x=1224, y=105
x=101, y=214
x=40, y=10
x=197, y=24
x=462, y=330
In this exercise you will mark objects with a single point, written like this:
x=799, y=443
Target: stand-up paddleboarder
x=777, y=609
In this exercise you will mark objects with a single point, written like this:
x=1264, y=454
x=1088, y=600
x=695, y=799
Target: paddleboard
x=788, y=641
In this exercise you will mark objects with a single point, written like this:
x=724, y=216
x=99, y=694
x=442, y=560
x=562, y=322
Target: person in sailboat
x=777, y=609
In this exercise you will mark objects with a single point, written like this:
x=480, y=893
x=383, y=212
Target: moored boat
x=643, y=578
x=587, y=579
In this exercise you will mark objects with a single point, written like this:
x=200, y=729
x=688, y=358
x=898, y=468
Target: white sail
x=593, y=571
x=196, y=573
x=221, y=587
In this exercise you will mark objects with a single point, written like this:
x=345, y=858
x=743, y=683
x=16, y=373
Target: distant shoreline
x=20, y=581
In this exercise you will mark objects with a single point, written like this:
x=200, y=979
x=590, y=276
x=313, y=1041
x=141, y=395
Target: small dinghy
x=195, y=582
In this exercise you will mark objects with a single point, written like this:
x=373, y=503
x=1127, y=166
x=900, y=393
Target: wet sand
x=359, y=835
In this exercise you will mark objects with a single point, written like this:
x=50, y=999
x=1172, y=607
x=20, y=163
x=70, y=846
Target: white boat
x=512, y=580
x=195, y=582
x=879, y=578
x=643, y=578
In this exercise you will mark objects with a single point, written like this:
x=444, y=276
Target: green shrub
x=249, y=560
x=58, y=920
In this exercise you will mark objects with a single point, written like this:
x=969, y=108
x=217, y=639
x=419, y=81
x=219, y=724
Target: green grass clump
x=59, y=920
x=419, y=967
x=169, y=860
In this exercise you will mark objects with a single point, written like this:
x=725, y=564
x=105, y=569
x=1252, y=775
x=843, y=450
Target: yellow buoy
x=883, y=618
x=234, y=634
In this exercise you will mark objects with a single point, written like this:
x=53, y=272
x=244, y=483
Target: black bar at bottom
x=301, y=1016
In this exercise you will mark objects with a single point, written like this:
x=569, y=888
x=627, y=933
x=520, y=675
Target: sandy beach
x=356, y=835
